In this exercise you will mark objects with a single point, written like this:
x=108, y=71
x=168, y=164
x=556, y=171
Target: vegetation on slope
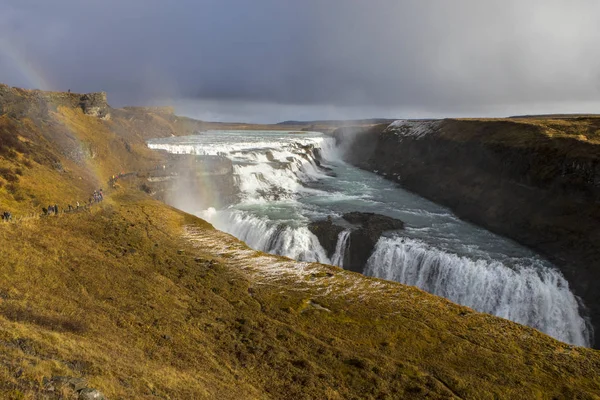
x=517, y=131
x=144, y=301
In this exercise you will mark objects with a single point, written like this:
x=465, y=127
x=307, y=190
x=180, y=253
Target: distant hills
x=555, y=116
x=334, y=122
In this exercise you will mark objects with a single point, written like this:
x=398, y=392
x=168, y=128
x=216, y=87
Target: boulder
x=91, y=394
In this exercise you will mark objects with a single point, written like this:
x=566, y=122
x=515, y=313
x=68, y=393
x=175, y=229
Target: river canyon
x=286, y=182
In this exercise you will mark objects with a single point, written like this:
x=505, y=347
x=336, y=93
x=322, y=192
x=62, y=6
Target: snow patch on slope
x=413, y=128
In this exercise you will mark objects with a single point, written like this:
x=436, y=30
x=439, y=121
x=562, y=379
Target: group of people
x=97, y=197
x=52, y=209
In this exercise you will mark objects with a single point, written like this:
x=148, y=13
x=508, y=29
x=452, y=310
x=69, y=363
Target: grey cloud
x=386, y=57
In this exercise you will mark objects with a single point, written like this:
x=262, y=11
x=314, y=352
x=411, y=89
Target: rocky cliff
x=536, y=181
x=21, y=103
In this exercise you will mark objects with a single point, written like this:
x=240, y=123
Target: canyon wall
x=533, y=180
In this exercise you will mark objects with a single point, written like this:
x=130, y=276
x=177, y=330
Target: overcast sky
x=272, y=60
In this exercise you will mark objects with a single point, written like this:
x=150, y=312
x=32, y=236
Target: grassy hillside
x=525, y=131
x=142, y=301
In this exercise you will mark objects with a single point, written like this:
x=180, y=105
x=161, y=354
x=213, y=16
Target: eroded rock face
x=365, y=237
x=36, y=104
x=327, y=233
x=95, y=105
x=366, y=231
x=190, y=181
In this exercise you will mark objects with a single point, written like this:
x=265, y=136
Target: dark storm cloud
x=403, y=57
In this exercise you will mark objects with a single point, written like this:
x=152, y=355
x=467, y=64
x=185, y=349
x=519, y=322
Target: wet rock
x=368, y=228
x=373, y=222
x=327, y=233
x=365, y=237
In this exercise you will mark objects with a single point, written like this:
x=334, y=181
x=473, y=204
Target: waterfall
x=533, y=295
x=269, y=236
x=341, y=248
x=264, y=170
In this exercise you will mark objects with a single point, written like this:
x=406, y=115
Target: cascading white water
x=538, y=297
x=265, y=235
x=283, y=188
x=340, y=248
x=265, y=169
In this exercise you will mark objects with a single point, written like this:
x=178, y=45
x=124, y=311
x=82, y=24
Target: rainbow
x=24, y=66
x=31, y=76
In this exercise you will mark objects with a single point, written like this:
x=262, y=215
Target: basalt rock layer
x=369, y=227
x=327, y=232
x=366, y=231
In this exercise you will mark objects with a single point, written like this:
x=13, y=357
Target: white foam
x=265, y=169
x=532, y=295
x=341, y=248
x=269, y=236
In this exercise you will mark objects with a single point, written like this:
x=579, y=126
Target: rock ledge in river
x=327, y=233
x=363, y=238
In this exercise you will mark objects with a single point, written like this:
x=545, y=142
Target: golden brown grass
x=530, y=131
x=119, y=297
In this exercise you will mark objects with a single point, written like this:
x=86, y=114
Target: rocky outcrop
x=535, y=181
x=95, y=105
x=72, y=387
x=367, y=228
x=327, y=232
x=36, y=104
